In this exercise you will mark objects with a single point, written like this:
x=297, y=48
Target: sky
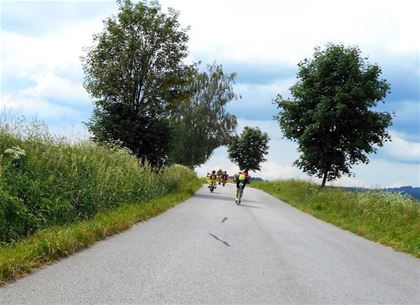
x=41, y=75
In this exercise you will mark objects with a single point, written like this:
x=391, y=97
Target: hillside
x=406, y=190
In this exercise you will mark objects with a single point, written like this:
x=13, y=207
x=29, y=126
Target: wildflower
x=15, y=152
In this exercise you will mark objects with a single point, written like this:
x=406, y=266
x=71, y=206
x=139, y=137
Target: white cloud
x=408, y=112
x=262, y=92
x=402, y=150
x=53, y=86
x=25, y=56
x=271, y=170
x=72, y=132
x=286, y=32
x=348, y=182
x=384, y=173
x=235, y=31
x=50, y=63
x=42, y=109
x=219, y=160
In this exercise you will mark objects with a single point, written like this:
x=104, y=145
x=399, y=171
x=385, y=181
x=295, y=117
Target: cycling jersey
x=240, y=179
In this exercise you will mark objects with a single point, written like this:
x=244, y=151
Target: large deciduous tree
x=201, y=123
x=331, y=113
x=134, y=72
x=249, y=149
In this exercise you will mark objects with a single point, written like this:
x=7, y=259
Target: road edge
x=51, y=244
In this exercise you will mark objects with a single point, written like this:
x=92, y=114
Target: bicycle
x=239, y=192
x=212, y=185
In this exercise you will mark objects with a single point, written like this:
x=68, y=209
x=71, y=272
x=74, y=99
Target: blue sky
x=41, y=75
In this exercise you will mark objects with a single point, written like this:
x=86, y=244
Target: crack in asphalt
x=215, y=237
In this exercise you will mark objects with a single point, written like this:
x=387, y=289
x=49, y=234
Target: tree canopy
x=331, y=113
x=249, y=149
x=146, y=98
x=201, y=123
x=134, y=72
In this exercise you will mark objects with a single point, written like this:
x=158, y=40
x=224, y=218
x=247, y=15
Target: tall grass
x=47, y=181
x=48, y=245
x=389, y=218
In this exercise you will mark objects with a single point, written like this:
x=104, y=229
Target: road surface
x=210, y=251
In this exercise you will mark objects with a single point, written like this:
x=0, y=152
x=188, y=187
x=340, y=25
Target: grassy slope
x=391, y=219
x=59, y=197
x=57, y=183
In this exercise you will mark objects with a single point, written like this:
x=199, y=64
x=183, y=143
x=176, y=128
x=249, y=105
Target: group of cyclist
x=241, y=179
x=220, y=177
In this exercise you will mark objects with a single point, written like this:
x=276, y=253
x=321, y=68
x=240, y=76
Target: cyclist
x=248, y=178
x=225, y=177
x=241, y=181
x=211, y=179
x=219, y=176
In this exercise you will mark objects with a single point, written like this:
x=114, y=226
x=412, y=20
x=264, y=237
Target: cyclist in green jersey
x=241, y=180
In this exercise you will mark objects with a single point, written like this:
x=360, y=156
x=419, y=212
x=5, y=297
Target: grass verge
x=50, y=244
x=47, y=181
x=388, y=218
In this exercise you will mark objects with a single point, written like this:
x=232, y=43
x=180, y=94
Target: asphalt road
x=210, y=251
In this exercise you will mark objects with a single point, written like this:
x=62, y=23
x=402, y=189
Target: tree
x=134, y=72
x=249, y=149
x=331, y=113
x=201, y=123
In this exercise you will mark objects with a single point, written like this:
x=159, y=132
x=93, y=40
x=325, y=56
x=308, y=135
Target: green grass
x=56, y=182
x=58, y=196
x=389, y=218
x=50, y=244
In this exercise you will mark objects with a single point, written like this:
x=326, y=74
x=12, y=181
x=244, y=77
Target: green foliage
x=200, y=123
x=249, y=149
x=56, y=182
x=14, y=216
x=389, y=218
x=134, y=72
x=331, y=116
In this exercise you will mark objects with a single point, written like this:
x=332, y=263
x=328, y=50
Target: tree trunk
x=325, y=178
